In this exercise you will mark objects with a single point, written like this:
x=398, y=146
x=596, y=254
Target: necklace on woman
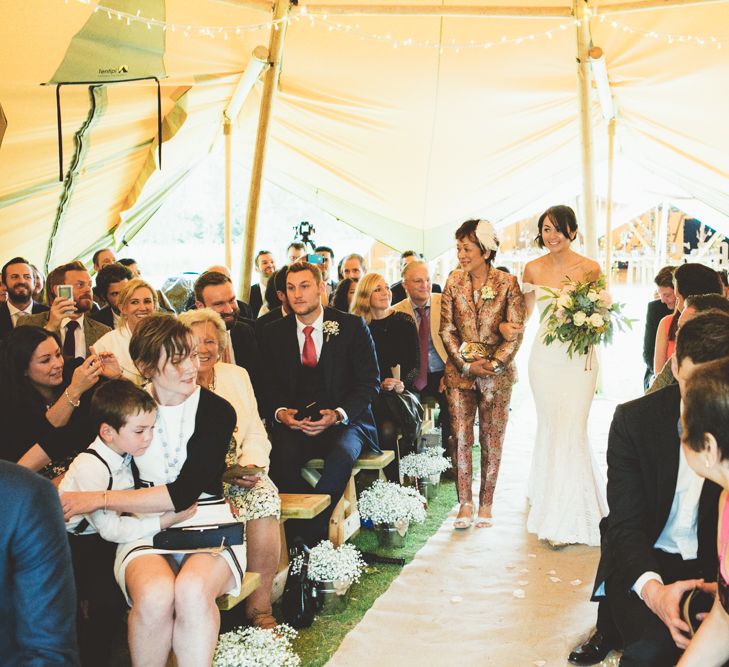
x=171, y=456
x=211, y=384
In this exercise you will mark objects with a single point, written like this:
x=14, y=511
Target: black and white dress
x=188, y=455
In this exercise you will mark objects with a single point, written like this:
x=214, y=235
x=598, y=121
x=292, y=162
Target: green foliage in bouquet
x=582, y=314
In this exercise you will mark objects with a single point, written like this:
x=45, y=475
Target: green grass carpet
x=315, y=645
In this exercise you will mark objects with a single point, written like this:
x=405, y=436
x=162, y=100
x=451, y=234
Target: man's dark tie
x=423, y=336
x=308, y=356
x=69, y=342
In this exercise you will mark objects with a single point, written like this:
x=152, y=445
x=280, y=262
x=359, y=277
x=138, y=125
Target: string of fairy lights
x=299, y=14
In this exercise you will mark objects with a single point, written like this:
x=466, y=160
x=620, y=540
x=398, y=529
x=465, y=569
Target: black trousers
x=339, y=446
x=100, y=602
x=431, y=391
x=645, y=639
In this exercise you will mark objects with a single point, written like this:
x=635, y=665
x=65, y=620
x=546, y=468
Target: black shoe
x=592, y=651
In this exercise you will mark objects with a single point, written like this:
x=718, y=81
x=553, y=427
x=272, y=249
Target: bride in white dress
x=566, y=486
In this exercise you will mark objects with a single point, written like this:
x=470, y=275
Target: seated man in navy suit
x=322, y=376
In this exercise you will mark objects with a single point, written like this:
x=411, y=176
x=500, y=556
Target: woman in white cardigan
x=255, y=495
x=137, y=300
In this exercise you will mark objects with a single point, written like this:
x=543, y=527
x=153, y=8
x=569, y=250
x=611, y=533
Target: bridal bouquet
x=255, y=647
x=582, y=314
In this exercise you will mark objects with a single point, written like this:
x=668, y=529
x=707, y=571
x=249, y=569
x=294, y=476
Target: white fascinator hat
x=486, y=235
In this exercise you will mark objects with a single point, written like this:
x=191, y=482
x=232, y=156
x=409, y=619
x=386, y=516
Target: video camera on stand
x=303, y=232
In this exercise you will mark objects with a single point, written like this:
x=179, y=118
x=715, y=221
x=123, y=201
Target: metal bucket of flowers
x=333, y=570
x=424, y=470
x=391, y=508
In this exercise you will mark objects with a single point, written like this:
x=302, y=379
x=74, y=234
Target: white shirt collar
x=13, y=310
x=66, y=320
x=114, y=460
x=318, y=323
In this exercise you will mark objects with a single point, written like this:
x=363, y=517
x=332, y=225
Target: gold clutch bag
x=471, y=352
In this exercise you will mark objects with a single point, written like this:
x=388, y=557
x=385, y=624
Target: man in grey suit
x=68, y=317
x=424, y=307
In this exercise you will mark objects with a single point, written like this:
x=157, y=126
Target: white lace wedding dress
x=566, y=487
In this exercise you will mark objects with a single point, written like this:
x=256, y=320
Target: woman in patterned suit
x=476, y=299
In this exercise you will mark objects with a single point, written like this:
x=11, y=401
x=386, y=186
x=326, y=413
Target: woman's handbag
x=300, y=601
x=200, y=537
x=213, y=526
x=407, y=413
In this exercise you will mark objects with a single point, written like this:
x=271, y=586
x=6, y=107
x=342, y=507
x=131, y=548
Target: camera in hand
x=311, y=411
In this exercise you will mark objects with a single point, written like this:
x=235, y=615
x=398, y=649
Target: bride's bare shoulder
x=533, y=269
x=590, y=269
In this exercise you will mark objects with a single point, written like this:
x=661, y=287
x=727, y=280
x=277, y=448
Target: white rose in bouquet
x=596, y=320
x=579, y=318
x=593, y=295
x=564, y=300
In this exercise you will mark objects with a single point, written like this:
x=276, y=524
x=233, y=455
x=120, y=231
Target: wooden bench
x=293, y=506
x=251, y=581
x=344, y=522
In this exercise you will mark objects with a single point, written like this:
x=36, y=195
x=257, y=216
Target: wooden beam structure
x=440, y=11
x=270, y=84
x=261, y=5
x=649, y=5
x=478, y=11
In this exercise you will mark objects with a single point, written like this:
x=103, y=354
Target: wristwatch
x=498, y=367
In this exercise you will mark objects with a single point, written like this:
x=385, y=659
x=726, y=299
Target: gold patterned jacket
x=464, y=320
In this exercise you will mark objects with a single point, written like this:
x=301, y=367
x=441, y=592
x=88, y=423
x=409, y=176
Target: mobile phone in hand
x=311, y=411
x=237, y=471
x=64, y=292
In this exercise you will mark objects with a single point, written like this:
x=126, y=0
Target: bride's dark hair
x=563, y=218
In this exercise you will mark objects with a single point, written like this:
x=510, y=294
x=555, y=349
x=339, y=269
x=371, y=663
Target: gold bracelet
x=73, y=403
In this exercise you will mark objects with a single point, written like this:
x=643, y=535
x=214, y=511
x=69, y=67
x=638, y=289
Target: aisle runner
x=493, y=596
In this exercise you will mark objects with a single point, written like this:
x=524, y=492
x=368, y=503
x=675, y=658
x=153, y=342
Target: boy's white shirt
x=87, y=473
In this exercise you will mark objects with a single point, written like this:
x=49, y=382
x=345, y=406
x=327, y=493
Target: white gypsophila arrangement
x=423, y=465
x=256, y=647
x=330, y=563
x=387, y=502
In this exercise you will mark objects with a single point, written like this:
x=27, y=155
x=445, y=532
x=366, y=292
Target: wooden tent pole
x=227, y=132
x=662, y=235
x=256, y=66
x=609, y=206
x=270, y=84
x=585, y=95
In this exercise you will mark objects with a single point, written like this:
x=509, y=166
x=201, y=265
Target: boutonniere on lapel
x=487, y=293
x=330, y=328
